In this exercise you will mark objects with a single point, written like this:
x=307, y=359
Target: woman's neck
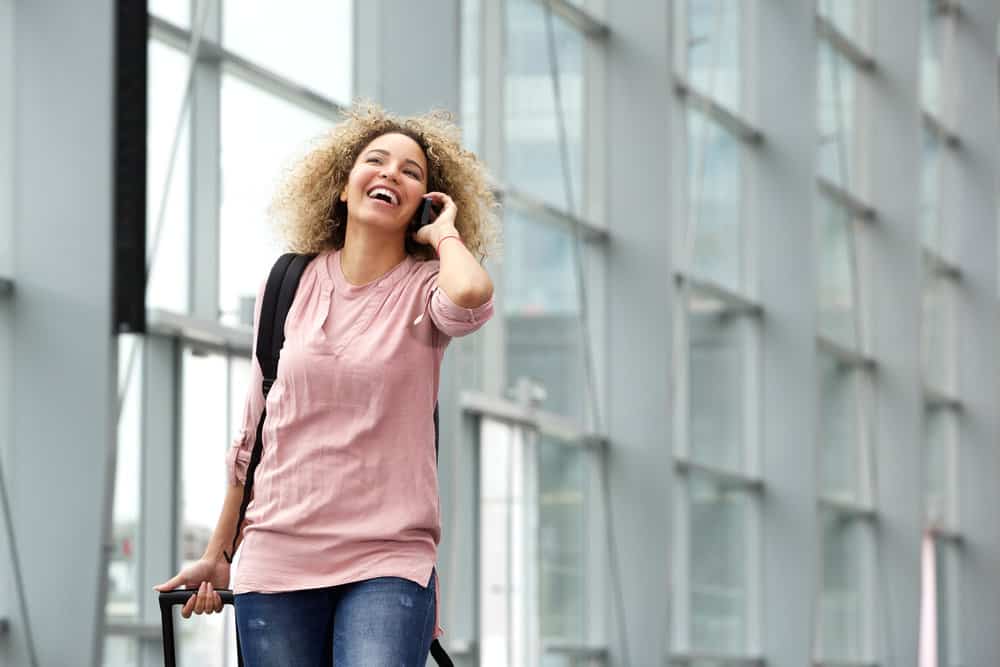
x=368, y=254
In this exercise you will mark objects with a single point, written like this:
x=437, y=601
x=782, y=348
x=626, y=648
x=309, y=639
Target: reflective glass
x=836, y=274
x=948, y=575
x=714, y=46
x=940, y=438
x=534, y=161
x=123, y=564
x=844, y=614
x=839, y=436
x=120, y=652
x=932, y=229
x=472, y=40
x=563, y=474
x=718, y=564
x=306, y=41
x=932, y=28
x=938, y=336
x=204, y=441
x=508, y=546
x=541, y=312
x=259, y=134
x=848, y=16
x=837, y=104
x=717, y=353
x=167, y=249
x=715, y=197
x=177, y=12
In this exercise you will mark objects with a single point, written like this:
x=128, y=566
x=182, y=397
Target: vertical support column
x=158, y=515
x=8, y=600
x=205, y=171
x=974, y=211
x=897, y=288
x=640, y=111
x=782, y=179
x=64, y=353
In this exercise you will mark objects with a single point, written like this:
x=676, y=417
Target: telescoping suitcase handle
x=168, y=600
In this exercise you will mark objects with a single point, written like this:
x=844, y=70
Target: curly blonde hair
x=307, y=210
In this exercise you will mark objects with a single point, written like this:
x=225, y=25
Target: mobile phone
x=426, y=213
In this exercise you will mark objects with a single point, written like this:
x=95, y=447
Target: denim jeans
x=381, y=622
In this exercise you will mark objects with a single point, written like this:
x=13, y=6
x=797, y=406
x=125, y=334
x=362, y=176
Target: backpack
x=278, y=296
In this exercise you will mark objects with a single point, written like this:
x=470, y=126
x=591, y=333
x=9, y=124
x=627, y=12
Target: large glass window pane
x=836, y=252
x=932, y=232
x=714, y=48
x=472, y=40
x=839, y=460
x=717, y=374
x=121, y=652
x=947, y=557
x=541, y=313
x=123, y=576
x=941, y=437
x=563, y=492
x=204, y=440
x=259, y=134
x=715, y=230
x=718, y=564
x=167, y=244
x=534, y=162
x=837, y=116
x=931, y=29
x=845, y=609
x=306, y=41
x=177, y=12
x=508, y=614
x=938, y=339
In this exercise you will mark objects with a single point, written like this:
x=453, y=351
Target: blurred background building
x=739, y=402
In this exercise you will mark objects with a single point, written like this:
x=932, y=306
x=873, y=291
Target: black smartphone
x=426, y=213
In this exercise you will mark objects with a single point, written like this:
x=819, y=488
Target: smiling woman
x=311, y=203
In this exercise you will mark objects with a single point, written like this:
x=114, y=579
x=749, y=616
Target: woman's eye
x=413, y=174
x=373, y=159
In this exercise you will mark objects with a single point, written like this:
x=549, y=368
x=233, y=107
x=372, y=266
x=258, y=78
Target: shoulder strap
x=278, y=296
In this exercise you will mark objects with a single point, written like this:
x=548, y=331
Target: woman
x=340, y=540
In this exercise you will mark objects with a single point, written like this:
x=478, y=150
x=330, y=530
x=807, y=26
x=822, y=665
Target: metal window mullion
x=205, y=176
x=939, y=129
x=160, y=480
x=210, y=51
x=737, y=302
x=690, y=657
x=721, y=115
x=939, y=266
x=546, y=423
x=207, y=334
x=935, y=398
x=578, y=18
x=6, y=287
x=842, y=197
x=737, y=479
x=844, y=354
x=843, y=44
x=545, y=212
x=847, y=508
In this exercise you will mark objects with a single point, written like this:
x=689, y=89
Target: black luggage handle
x=168, y=600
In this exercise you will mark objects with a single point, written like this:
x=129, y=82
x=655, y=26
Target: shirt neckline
x=336, y=274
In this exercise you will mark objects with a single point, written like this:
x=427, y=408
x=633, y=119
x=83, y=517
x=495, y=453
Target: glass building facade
x=738, y=404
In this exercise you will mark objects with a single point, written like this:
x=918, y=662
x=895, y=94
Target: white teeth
x=385, y=191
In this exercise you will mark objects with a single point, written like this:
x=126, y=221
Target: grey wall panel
x=64, y=354
x=784, y=167
x=897, y=283
x=639, y=301
x=974, y=209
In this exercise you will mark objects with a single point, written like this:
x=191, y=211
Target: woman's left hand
x=443, y=223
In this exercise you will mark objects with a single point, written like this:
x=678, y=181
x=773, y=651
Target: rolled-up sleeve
x=238, y=455
x=451, y=319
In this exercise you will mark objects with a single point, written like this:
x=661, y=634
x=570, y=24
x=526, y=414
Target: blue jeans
x=381, y=622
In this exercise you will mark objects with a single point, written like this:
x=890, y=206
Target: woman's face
x=387, y=182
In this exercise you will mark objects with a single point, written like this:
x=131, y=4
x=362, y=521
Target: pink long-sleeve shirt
x=347, y=485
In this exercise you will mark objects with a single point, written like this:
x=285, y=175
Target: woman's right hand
x=206, y=575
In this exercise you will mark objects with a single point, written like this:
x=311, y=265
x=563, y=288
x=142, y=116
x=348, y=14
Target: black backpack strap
x=278, y=296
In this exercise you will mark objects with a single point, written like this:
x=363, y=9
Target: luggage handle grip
x=168, y=599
